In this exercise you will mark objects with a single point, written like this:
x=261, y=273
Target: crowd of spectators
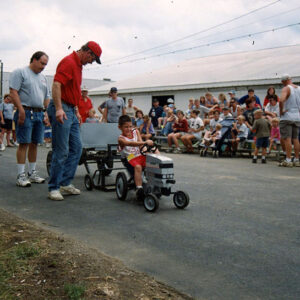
x=201, y=123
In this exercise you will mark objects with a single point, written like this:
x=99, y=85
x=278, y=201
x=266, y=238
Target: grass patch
x=24, y=252
x=74, y=291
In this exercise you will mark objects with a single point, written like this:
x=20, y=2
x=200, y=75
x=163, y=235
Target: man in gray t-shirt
x=30, y=94
x=114, y=107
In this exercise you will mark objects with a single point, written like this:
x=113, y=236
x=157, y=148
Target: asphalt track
x=238, y=239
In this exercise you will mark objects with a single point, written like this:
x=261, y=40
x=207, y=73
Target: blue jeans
x=32, y=131
x=167, y=129
x=66, y=147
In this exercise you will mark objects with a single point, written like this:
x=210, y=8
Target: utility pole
x=1, y=80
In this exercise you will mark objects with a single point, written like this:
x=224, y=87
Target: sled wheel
x=121, y=186
x=204, y=152
x=88, y=182
x=201, y=153
x=48, y=162
x=151, y=203
x=181, y=199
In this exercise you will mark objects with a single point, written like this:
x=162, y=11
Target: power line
x=196, y=33
x=204, y=45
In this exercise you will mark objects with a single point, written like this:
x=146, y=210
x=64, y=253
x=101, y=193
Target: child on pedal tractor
x=130, y=143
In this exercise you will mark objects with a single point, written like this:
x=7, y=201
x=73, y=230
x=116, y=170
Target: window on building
x=163, y=99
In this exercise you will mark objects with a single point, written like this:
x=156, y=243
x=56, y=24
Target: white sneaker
x=2, y=147
x=213, y=145
x=16, y=144
x=70, y=190
x=55, y=195
x=35, y=178
x=23, y=181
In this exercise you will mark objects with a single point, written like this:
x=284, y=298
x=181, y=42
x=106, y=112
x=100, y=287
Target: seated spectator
x=139, y=118
x=212, y=126
x=275, y=134
x=239, y=133
x=194, y=132
x=180, y=127
x=210, y=100
x=163, y=118
x=223, y=100
x=202, y=101
x=212, y=139
x=168, y=126
x=250, y=95
x=130, y=110
x=249, y=114
x=93, y=118
x=232, y=96
x=226, y=114
x=270, y=92
x=147, y=129
x=272, y=108
x=234, y=108
x=202, y=109
x=155, y=112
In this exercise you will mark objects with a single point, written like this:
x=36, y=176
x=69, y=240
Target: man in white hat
x=289, y=105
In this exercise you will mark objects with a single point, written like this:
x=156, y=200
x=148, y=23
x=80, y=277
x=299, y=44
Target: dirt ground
x=37, y=264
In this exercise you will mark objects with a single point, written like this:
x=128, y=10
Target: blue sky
x=125, y=27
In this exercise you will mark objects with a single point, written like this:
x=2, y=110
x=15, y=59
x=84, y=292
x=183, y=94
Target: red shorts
x=138, y=161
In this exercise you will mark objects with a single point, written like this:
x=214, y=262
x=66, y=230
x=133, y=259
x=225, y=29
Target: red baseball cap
x=96, y=50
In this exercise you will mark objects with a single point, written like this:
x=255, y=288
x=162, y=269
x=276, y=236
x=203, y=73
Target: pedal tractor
x=158, y=178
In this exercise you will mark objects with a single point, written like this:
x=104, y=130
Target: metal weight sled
x=99, y=146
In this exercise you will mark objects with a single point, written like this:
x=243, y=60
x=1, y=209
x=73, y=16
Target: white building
x=192, y=78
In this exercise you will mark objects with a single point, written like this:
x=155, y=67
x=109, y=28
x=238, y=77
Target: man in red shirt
x=85, y=104
x=65, y=119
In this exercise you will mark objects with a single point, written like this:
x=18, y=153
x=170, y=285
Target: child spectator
x=139, y=118
x=239, y=133
x=261, y=129
x=92, y=117
x=180, y=127
x=213, y=137
x=191, y=106
x=130, y=142
x=168, y=127
x=47, y=131
x=195, y=131
x=147, y=129
x=275, y=133
x=212, y=126
x=249, y=114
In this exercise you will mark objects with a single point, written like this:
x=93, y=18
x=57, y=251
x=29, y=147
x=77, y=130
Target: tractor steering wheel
x=147, y=148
